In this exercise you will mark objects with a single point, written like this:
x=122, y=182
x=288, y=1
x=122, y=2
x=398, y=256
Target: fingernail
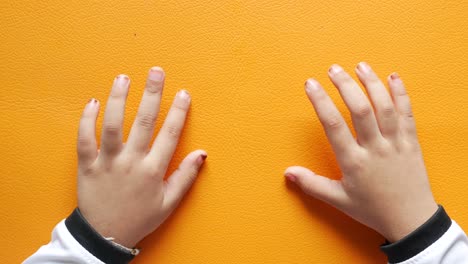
x=364, y=67
x=156, y=74
x=122, y=80
x=92, y=103
x=312, y=85
x=335, y=68
x=183, y=94
x=394, y=76
x=201, y=159
x=290, y=177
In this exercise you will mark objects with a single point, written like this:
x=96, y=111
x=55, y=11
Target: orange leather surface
x=244, y=63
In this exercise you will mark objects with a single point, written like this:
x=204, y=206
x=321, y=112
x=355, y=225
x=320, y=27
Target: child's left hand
x=121, y=188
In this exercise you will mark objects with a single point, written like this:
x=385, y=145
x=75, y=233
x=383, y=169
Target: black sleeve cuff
x=92, y=241
x=418, y=240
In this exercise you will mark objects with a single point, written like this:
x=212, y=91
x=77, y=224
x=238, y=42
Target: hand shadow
x=359, y=237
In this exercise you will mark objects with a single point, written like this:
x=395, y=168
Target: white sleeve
x=438, y=241
x=75, y=241
x=63, y=248
x=451, y=248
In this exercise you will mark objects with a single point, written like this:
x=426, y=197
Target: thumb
x=320, y=187
x=182, y=179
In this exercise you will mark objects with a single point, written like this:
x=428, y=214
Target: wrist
x=106, y=227
x=409, y=221
x=94, y=242
x=420, y=239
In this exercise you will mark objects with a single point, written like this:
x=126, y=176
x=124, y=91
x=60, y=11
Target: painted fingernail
x=394, y=76
x=92, y=103
x=290, y=177
x=183, y=94
x=156, y=74
x=201, y=159
x=312, y=85
x=364, y=67
x=122, y=80
x=335, y=68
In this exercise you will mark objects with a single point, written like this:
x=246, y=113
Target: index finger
x=168, y=137
x=335, y=127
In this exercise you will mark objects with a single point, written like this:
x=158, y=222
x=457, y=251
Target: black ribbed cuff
x=418, y=240
x=93, y=242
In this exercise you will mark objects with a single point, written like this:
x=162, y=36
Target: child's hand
x=384, y=182
x=121, y=188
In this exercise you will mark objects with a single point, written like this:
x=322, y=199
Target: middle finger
x=143, y=126
x=362, y=114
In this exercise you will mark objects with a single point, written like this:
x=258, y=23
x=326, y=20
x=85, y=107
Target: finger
x=361, y=110
x=86, y=145
x=335, y=127
x=143, y=126
x=168, y=137
x=402, y=104
x=384, y=109
x=182, y=179
x=322, y=188
x=111, y=138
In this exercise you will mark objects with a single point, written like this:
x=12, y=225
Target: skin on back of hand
x=384, y=183
x=121, y=188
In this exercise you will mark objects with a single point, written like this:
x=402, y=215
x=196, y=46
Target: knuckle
x=153, y=87
x=173, y=131
x=84, y=142
x=153, y=167
x=387, y=110
x=111, y=129
x=362, y=110
x=122, y=164
x=354, y=165
x=334, y=122
x=89, y=171
x=146, y=121
x=383, y=149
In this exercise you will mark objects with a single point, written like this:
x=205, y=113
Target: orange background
x=244, y=63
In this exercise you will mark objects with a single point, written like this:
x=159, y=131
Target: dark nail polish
x=394, y=76
x=201, y=159
x=290, y=177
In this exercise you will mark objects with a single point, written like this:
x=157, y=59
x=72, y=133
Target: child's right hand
x=384, y=183
x=121, y=188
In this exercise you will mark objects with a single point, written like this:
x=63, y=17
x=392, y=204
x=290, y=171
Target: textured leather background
x=245, y=63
